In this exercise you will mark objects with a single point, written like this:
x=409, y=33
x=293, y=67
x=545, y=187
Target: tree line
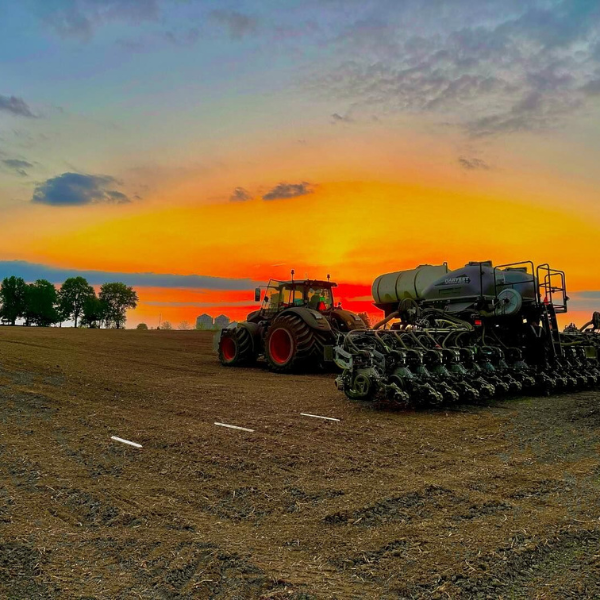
x=41, y=304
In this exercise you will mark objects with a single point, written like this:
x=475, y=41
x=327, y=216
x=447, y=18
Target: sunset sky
x=195, y=148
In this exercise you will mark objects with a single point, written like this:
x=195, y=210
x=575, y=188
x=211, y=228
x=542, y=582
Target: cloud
x=17, y=165
x=240, y=195
x=586, y=301
x=225, y=303
x=493, y=67
x=15, y=106
x=183, y=38
x=337, y=118
x=80, y=18
x=592, y=88
x=33, y=271
x=288, y=190
x=472, y=164
x=238, y=24
x=76, y=189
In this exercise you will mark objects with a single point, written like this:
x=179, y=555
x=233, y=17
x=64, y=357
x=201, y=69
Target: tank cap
x=483, y=263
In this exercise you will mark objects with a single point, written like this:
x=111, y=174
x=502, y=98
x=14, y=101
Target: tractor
x=294, y=329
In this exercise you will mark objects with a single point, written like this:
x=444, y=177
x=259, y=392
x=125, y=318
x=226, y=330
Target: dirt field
x=483, y=502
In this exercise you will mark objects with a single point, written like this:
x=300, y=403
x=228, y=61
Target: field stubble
x=494, y=501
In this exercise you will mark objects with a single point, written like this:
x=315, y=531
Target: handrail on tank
x=549, y=289
x=532, y=280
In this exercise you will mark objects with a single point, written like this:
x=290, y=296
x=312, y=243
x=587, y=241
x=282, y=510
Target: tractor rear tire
x=236, y=348
x=290, y=345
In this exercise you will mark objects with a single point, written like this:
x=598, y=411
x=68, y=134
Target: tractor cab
x=281, y=295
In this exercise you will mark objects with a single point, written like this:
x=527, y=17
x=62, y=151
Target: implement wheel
x=236, y=348
x=289, y=345
x=361, y=388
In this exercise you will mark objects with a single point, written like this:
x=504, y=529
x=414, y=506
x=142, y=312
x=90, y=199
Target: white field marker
x=319, y=417
x=118, y=439
x=234, y=427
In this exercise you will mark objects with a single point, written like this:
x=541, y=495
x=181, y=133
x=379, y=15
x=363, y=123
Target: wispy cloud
x=76, y=189
x=32, y=271
x=473, y=164
x=17, y=165
x=288, y=190
x=592, y=88
x=201, y=304
x=337, y=118
x=237, y=24
x=80, y=18
x=183, y=38
x=240, y=195
x=586, y=301
x=15, y=106
x=489, y=67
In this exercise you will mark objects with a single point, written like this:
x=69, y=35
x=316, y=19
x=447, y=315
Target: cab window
x=274, y=298
x=279, y=297
x=319, y=298
x=298, y=297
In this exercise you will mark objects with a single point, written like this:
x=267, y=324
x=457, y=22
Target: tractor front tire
x=290, y=345
x=236, y=348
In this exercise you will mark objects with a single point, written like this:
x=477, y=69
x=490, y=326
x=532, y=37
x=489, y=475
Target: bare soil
x=496, y=501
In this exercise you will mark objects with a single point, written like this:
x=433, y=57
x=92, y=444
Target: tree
x=184, y=326
x=166, y=325
x=72, y=296
x=13, y=297
x=117, y=297
x=366, y=320
x=93, y=312
x=142, y=327
x=41, y=300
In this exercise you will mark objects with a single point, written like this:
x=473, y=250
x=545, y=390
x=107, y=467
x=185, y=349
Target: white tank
x=393, y=287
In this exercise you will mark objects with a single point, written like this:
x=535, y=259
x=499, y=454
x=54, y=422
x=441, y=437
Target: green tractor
x=295, y=328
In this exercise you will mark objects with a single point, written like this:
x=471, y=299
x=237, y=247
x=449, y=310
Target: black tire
x=290, y=345
x=236, y=348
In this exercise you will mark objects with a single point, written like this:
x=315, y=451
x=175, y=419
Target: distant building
x=204, y=322
x=221, y=322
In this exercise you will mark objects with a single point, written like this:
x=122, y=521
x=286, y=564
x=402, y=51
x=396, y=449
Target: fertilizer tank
x=389, y=289
x=476, y=281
